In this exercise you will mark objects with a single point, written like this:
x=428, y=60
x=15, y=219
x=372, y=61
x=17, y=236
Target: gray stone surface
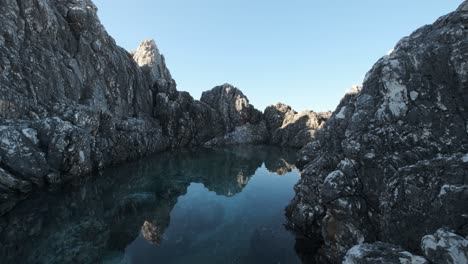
x=391, y=163
x=289, y=128
x=232, y=105
x=381, y=253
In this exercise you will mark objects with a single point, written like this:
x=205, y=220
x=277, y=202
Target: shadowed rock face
x=391, y=163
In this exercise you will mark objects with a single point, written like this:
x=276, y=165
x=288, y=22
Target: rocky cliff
x=391, y=163
x=72, y=101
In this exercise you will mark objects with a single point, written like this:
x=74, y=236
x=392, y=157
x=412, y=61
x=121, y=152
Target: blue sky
x=304, y=53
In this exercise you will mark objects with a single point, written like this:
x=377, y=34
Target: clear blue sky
x=305, y=53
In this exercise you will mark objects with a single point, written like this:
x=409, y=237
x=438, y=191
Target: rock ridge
x=390, y=164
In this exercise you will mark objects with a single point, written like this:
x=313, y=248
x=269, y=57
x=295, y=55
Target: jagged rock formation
x=242, y=123
x=381, y=253
x=391, y=164
x=232, y=105
x=292, y=129
x=72, y=101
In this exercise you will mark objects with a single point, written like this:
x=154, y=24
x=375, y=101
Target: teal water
x=203, y=206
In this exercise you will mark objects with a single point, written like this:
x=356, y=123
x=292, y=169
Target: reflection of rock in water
x=281, y=167
x=279, y=162
x=308, y=251
x=81, y=223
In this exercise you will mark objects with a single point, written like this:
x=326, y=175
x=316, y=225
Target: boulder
x=381, y=253
x=445, y=247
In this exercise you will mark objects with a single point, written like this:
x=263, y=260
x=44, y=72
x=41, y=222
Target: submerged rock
x=390, y=164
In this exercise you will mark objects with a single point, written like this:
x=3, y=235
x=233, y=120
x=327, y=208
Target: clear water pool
x=203, y=206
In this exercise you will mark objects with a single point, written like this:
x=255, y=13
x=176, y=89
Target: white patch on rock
x=332, y=177
x=353, y=90
x=82, y=156
x=342, y=202
x=6, y=142
x=31, y=134
x=414, y=95
x=395, y=93
x=396, y=99
x=439, y=102
x=354, y=253
x=412, y=259
x=465, y=158
x=451, y=188
x=341, y=114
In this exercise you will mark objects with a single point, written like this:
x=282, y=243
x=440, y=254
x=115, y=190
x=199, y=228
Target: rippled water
x=204, y=206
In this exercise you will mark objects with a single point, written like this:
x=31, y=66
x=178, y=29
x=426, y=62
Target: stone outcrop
x=232, y=105
x=240, y=122
x=445, y=247
x=381, y=253
x=152, y=62
x=291, y=129
x=72, y=101
x=391, y=163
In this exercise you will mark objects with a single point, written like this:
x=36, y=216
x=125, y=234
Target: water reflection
x=204, y=206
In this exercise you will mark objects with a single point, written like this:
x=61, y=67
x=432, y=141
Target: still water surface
x=204, y=206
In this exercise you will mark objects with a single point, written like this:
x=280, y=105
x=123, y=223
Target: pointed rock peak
x=227, y=88
x=463, y=6
x=353, y=90
x=281, y=107
x=151, y=61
